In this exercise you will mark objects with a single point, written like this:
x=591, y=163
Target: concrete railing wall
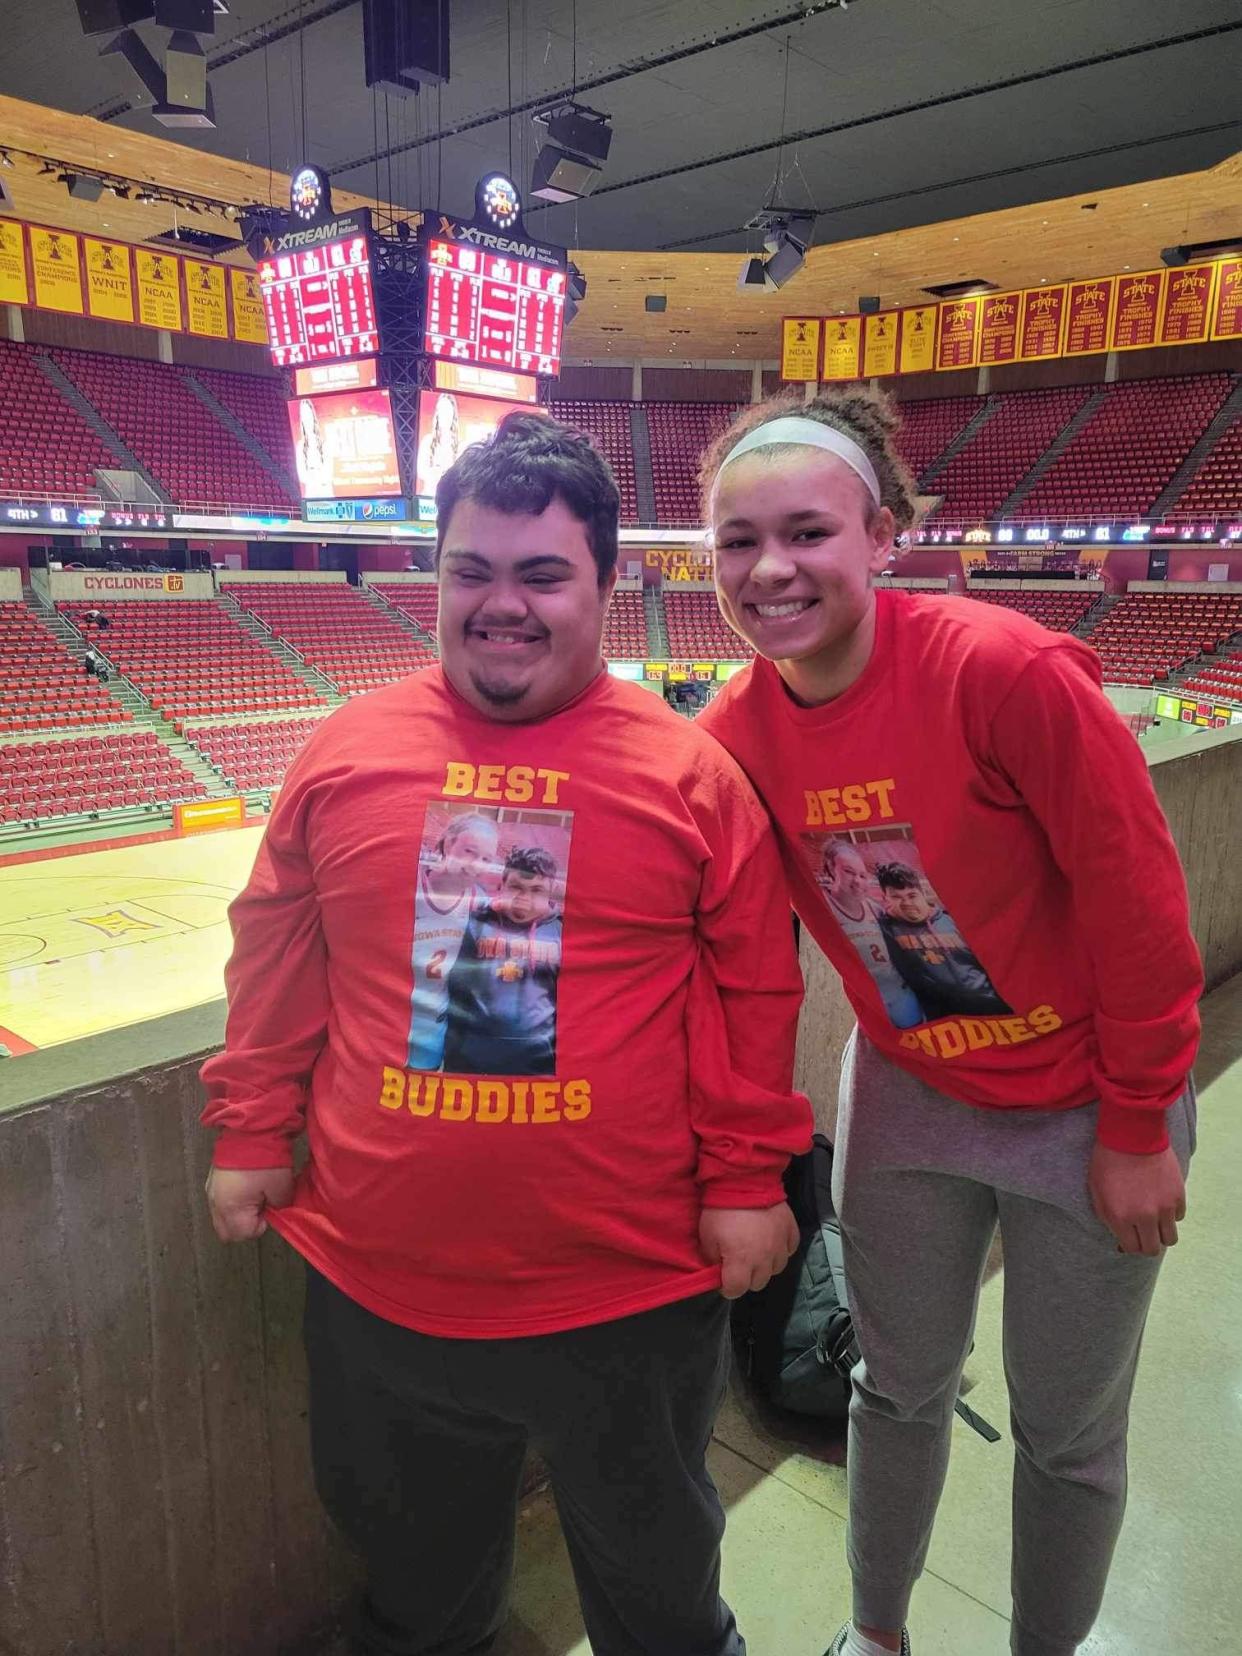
x=155, y=1490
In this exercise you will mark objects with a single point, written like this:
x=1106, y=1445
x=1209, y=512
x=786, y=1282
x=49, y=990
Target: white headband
x=795, y=429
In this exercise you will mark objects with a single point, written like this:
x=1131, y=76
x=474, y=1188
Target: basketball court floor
x=106, y=938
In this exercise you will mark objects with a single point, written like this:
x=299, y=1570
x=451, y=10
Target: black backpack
x=796, y=1336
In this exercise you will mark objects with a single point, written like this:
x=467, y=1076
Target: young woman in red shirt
x=1020, y=885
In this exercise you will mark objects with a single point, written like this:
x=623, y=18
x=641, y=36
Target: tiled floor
x=1176, y=1588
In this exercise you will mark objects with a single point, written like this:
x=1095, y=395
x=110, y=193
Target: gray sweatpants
x=921, y=1183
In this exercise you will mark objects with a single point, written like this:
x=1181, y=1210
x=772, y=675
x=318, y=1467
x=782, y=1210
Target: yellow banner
x=247, y=307
x=57, y=272
x=842, y=347
x=159, y=289
x=880, y=344
x=109, y=286
x=800, y=348
x=199, y=816
x=205, y=303
x=918, y=339
x=14, y=288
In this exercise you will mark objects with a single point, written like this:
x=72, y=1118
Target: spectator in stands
x=989, y=742
x=495, y=1259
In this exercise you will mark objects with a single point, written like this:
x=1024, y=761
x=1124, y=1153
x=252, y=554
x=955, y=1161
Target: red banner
x=1227, y=310
x=1137, y=314
x=1089, y=311
x=957, y=345
x=1187, y=313
x=998, y=328
x=1043, y=322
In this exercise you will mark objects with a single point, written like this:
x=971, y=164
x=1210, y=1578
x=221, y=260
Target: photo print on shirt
x=487, y=939
x=876, y=889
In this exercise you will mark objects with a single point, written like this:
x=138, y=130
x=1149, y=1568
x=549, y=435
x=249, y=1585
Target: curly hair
x=869, y=418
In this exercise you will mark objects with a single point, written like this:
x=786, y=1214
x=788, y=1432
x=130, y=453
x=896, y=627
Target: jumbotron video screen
x=319, y=303
x=493, y=309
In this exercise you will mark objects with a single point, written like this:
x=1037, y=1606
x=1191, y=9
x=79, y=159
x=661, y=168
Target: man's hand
x=238, y=1197
x=751, y=1245
x=1140, y=1198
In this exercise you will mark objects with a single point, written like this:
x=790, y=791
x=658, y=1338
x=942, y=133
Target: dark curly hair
x=870, y=418
x=530, y=461
x=532, y=860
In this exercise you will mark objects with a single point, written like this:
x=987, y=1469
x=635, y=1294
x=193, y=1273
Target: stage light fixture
x=1227, y=247
x=145, y=198
x=576, y=142
x=6, y=160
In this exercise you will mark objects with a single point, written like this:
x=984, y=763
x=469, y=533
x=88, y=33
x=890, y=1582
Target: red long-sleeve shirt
x=613, y=859
x=972, y=837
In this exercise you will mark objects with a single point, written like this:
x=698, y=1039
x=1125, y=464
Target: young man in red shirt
x=990, y=793
x=533, y=1251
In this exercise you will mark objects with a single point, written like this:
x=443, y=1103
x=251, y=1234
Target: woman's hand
x=1141, y=1199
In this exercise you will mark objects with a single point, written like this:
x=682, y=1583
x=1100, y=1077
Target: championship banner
x=206, y=309
x=998, y=328
x=1089, y=312
x=1227, y=308
x=1136, y=320
x=917, y=351
x=957, y=345
x=1187, y=315
x=159, y=290
x=880, y=343
x=842, y=348
x=247, y=305
x=57, y=270
x=109, y=286
x=1043, y=323
x=14, y=288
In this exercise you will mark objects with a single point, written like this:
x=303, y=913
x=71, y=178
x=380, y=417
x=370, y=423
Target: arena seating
x=1125, y=456
x=336, y=631
x=90, y=773
x=1222, y=680
x=697, y=630
x=417, y=600
x=1215, y=490
x=608, y=426
x=46, y=447
x=258, y=404
x=190, y=658
x=679, y=434
x=625, y=636
x=1150, y=635
x=195, y=458
x=1058, y=611
x=976, y=482
x=44, y=687
x=255, y=754
x=927, y=428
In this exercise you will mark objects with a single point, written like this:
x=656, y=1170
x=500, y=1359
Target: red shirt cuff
x=1139, y=1132
x=251, y=1151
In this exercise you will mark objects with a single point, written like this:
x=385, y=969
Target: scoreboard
x=493, y=309
x=319, y=303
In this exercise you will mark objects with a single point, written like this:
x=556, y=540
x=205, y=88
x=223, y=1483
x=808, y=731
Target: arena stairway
x=644, y=482
x=1082, y=417
x=400, y=617
x=285, y=653
x=967, y=434
x=110, y=438
x=215, y=407
x=657, y=627
x=1226, y=415
x=142, y=714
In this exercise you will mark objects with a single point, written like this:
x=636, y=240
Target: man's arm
x=278, y=1000
x=743, y=1020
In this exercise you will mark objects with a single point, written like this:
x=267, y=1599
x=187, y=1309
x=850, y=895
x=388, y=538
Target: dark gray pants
x=921, y=1184
x=418, y=1446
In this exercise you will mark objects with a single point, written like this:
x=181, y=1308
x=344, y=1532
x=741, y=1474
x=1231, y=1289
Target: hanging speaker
x=405, y=42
